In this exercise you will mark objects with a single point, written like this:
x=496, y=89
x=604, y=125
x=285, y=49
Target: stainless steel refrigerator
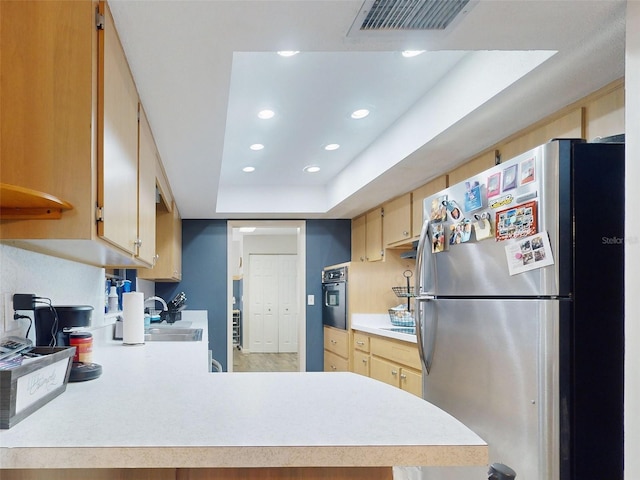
x=519, y=308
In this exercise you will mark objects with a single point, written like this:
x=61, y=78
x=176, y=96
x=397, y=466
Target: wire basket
x=401, y=318
x=403, y=291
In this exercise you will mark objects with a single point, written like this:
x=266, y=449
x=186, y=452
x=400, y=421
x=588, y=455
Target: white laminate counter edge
x=157, y=406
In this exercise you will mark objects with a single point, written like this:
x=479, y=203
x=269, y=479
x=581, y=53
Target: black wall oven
x=334, y=297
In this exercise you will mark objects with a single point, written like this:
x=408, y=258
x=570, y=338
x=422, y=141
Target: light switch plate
x=311, y=300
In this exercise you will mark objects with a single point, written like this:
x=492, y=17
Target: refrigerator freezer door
x=492, y=369
x=479, y=267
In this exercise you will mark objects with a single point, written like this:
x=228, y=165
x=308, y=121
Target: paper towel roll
x=133, y=318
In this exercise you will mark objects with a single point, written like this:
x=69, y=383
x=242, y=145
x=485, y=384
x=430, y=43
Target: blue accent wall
x=328, y=243
x=204, y=277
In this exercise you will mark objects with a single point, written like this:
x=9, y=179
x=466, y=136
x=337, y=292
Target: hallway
x=264, y=362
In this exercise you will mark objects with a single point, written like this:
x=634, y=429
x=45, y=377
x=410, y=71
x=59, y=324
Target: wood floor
x=264, y=362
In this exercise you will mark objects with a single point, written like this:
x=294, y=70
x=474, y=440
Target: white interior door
x=288, y=312
x=264, y=299
x=273, y=306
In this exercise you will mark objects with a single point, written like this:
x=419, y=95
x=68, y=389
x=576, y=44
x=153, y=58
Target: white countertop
x=379, y=324
x=156, y=405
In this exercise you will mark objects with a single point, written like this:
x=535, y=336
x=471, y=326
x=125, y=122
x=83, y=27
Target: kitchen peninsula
x=157, y=409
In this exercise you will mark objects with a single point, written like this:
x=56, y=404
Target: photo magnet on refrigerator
x=482, y=226
x=529, y=253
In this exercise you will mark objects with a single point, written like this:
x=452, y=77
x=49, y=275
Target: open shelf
x=20, y=203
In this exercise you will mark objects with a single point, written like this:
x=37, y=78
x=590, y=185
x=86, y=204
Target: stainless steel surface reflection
x=154, y=334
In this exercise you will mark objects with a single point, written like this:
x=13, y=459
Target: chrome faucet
x=154, y=299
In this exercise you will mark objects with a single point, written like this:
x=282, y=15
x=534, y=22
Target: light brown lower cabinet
x=389, y=360
x=361, y=361
x=336, y=350
x=283, y=473
x=396, y=375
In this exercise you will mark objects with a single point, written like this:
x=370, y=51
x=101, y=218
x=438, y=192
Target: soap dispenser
x=113, y=299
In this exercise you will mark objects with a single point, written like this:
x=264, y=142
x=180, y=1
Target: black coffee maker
x=53, y=326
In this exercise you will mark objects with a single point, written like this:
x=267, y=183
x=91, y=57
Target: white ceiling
x=204, y=68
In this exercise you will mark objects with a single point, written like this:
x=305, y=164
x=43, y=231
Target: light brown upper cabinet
x=147, y=159
x=73, y=105
x=366, y=237
x=397, y=221
x=168, y=264
x=417, y=201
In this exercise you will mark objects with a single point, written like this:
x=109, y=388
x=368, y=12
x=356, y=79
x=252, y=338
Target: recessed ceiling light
x=266, y=114
x=412, y=53
x=311, y=169
x=256, y=146
x=361, y=113
x=332, y=146
x=288, y=53
x=248, y=169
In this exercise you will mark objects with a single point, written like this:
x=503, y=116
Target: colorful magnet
x=482, y=226
x=510, y=179
x=493, y=185
x=527, y=171
x=455, y=212
x=439, y=209
x=472, y=197
x=516, y=222
x=437, y=238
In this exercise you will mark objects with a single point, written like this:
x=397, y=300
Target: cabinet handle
x=138, y=242
x=333, y=341
x=359, y=342
x=333, y=367
x=405, y=233
x=394, y=372
x=403, y=377
x=364, y=360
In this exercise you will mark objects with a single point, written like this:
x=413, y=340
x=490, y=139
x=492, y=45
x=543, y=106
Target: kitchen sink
x=172, y=334
x=407, y=330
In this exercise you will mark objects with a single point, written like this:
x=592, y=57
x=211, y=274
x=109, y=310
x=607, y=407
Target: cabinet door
x=168, y=265
x=360, y=341
x=47, y=93
x=147, y=158
x=361, y=363
x=417, y=201
x=336, y=341
x=404, y=353
x=358, y=239
x=373, y=228
x=335, y=363
x=397, y=220
x=385, y=371
x=117, y=142
x=176, y=244
x=411, y=381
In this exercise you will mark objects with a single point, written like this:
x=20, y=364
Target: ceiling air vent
x=406, y=15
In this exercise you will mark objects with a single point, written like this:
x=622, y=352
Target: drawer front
x=335, y=363
x=384, y=371
x=361, y=362
x=360, y=341
x=336, y=341
x=397, y=351
x=411, y=381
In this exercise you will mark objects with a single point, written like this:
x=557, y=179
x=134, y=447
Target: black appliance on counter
x=53, y=326
x=334, y=297
x=174, y=309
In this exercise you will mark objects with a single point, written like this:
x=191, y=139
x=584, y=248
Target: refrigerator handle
x=420, y=258
x=425, y=357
